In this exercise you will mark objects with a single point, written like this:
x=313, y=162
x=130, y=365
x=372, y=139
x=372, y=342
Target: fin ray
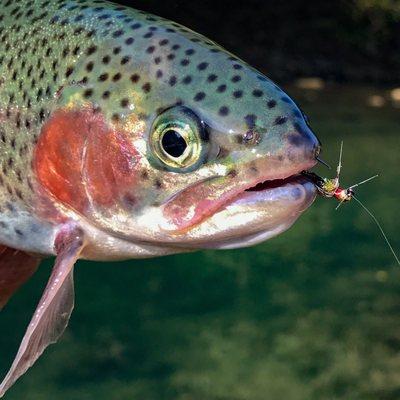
x=53, y=311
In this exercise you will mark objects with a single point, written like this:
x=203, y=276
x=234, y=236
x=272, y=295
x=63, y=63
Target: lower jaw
x=251, y=239
x=254, y=216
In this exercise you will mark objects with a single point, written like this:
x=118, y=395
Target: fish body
x=126, y=135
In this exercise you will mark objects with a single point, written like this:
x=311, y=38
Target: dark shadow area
x=340, y=40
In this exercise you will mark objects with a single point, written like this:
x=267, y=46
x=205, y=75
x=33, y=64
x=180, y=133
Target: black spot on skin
x=118, y=33
x=69, y=71
x=89, y=66
x=135, y=78
x=172, y=81
x=238, y=94
x=199, y=96
x=124, y=103
x=236, y=78
x=117, y=77
x=223, y=111
x=250, y=120
x=257, y=93
x=146, y=87
x=103, y=77
x=271, y=104
x=280, y=120
x=187, y=80
x=157, y=184
x=202, y=66
x=185, y=62
x=91, y=50
x=125, y=60
x=221, y=88
x=88, y=93
x=212, y=78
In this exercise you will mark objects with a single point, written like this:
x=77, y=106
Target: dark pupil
x=173, y=143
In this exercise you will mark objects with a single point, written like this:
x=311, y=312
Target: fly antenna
x=380, y=228
x=338, y=206
x=365, y=181
x=339, y=167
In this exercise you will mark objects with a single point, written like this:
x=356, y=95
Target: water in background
x=312, y=314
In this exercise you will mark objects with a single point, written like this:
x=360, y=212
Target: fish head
x=170, y=139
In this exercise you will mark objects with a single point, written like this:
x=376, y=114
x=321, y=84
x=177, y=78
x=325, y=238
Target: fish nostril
x=251, y=137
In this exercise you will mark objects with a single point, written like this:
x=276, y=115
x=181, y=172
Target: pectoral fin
x=54, y=310
x=16, y=267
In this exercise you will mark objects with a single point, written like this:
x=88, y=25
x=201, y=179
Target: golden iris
x=176, y=140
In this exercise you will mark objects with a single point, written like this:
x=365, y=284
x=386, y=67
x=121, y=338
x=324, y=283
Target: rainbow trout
x=125, y=135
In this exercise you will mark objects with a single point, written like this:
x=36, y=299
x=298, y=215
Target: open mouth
x=291, y=191
x=275, y=183
x=260, y=212
x=208, y=201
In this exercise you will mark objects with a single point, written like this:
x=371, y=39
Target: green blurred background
x=312, y=314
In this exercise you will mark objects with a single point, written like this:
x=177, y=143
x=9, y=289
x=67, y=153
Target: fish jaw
x=245, y=215
x=258, y=215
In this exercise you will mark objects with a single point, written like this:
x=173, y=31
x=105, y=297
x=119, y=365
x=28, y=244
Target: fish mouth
x=274, y=183
x=261, y=212
x=252, y=213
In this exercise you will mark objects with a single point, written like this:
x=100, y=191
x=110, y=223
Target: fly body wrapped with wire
x=330, y=188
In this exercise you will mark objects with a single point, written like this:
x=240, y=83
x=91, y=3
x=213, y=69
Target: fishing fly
x=330, y=188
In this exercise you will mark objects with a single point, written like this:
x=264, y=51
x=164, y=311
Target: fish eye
x=178, y=140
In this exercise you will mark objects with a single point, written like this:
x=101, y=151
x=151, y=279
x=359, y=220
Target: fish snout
x=302, y=147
